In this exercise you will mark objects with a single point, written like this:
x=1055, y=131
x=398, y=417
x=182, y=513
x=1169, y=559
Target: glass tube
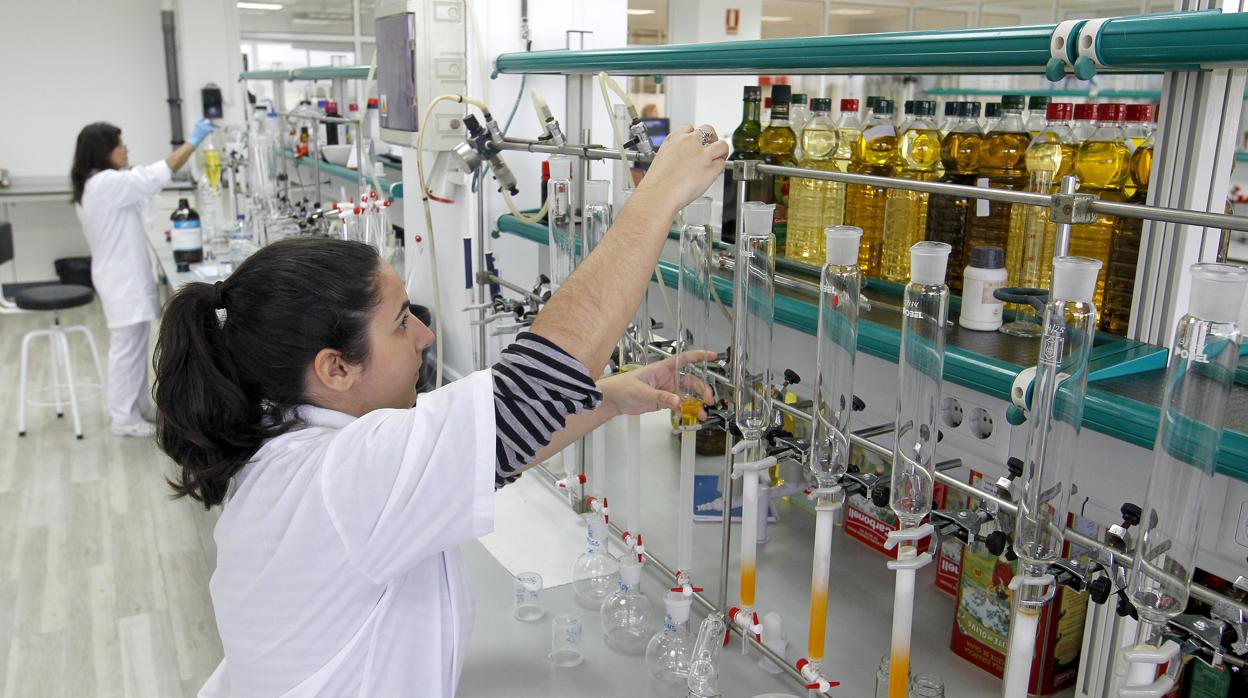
x=1056, y=415
x=839, y=288
x=1198, y=382
x=597, y=214
x=920, y=364
x=562, y=247
x=753, y=298
x=693, y=304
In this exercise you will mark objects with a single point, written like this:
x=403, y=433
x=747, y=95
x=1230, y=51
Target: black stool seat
x=53, y=297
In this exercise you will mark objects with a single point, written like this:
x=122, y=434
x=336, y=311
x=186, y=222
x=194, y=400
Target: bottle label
x=989, y=299
x=187, y=236
x=982, y=206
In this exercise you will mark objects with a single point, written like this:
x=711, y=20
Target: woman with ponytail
x=285, y=395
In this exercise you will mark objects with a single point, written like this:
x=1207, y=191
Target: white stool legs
x=61, y=362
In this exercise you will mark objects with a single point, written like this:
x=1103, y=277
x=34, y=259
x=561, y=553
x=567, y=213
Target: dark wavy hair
x=96, y=143
x=226, y=382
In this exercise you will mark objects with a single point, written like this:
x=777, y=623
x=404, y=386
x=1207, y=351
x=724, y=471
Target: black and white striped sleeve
x=536, y=386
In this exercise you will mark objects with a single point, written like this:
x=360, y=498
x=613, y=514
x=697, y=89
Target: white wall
x=68, y=63
x=501, y=34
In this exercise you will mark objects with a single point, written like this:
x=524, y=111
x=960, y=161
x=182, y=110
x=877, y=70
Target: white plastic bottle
x=985, y=274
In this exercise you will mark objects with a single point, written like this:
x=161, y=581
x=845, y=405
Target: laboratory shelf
x=1153, y=95
x=1143, y=43
x=1127, y=377
x=394, y=187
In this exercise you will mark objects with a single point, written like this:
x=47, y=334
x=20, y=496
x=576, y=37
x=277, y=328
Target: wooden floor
x=103, y=578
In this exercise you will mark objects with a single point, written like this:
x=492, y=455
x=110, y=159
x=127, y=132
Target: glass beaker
x=565, y=641
x=528, y=592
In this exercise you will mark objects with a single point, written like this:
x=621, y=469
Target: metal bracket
x=1072, y=208
x=746, y=170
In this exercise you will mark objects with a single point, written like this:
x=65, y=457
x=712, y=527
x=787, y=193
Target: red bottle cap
x=1059, y=111
x=1140, y=112
x=1085, y=112
x=849, y=105
x=353, y=107
x=767, y=103
x=372, y=102
x=331, y=106
x=1111, y=112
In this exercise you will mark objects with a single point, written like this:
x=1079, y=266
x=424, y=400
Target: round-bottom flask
x=628, y=618
x=595, y=574
x=668, y=653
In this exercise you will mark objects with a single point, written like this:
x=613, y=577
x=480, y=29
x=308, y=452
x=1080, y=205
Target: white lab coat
x=338, y=567
x=112, y=213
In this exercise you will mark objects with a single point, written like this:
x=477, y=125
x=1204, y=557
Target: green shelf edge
x=1149, y=43
x=396, y=188
x=1113, y=415
x=323, y=72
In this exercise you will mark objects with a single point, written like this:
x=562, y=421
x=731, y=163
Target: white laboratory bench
x=508, y=657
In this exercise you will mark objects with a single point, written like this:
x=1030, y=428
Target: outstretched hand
x=656, y=386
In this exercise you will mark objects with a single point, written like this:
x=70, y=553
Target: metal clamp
x=746, y=170
x=1072, y=208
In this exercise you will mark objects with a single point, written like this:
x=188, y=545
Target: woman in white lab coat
x=111, y=200
x=284, y=394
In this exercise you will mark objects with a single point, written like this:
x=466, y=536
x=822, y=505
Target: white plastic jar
x=984, y=275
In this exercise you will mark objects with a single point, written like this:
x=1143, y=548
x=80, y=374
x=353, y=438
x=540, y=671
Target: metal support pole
x=580, y=113
x=725, y=481
x=481, y=291
x=1061, y=247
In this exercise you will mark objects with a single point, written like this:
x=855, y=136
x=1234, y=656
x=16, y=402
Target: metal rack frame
x=1204, y=43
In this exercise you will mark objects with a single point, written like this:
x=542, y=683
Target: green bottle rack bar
x=1118, y=365
x=326, y=72
x=1144, y=43
x=395, y=187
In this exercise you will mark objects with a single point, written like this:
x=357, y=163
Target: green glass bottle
x=744, y=147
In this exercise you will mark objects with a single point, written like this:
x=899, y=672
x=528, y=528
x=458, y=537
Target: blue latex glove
x=203, y=128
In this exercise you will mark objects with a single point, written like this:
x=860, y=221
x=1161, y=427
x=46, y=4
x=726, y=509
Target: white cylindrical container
x=985, y=274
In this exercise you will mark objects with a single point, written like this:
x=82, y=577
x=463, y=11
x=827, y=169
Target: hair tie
x=218, y=295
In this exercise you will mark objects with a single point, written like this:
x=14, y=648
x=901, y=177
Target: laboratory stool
x=54, y=298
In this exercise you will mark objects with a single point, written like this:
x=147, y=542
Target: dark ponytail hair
x=96, y=143
x=232, y=356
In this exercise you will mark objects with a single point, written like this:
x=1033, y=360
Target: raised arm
x=589, y=313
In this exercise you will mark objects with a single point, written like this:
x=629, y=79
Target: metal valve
x=1118, y=536
x=1006, y=485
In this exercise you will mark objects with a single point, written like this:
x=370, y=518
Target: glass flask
x=628, y=618
x=704, y=660
x=563, y=247
x=1056, y=416
x=921, y=362
x=668, y=652
x=926, y=686
x=1199, y=377
x=595, y=574
x=839, y=287
x=754, y=281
